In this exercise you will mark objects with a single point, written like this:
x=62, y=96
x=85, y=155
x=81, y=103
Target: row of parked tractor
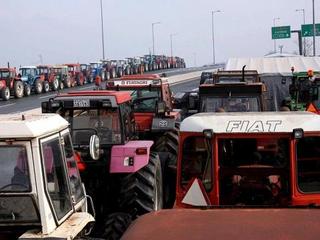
x=45, y=78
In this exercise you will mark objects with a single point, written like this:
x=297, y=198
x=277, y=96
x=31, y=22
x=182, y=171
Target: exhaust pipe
x=243, y=72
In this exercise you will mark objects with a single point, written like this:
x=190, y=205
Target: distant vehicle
x=62, y=75
x=32, y=80
x=204, y=76
x=86, y=71
x=76, y=76
x=10, y=84
x=50, y=78
x=41, y=193
x=96, y=69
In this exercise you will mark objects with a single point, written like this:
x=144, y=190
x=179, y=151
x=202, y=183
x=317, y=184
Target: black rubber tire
x=67, y=82
x=61, y=85
x=168, y=144
x=142, y=192
x=5, y=93
x=46, y=86
x=18, y=89
x=115, y=225
x=128, y=71
x=107, y=76
x=27, y=90
x=38, y=86
x=55, y=84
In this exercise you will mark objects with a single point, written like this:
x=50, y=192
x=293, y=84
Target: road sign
x=281, y=32
x=307, y=30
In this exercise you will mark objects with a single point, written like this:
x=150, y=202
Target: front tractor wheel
x=5, y=93
x=18, y=89
x=141, y=192
x=46, y=86
x=55, y=84
x=27, y=90
x=115, y=225
x=38, y=86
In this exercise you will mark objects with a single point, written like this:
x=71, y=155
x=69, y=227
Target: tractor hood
x=227, y=224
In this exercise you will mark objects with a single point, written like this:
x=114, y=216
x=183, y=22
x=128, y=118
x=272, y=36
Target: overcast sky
x=60, y=31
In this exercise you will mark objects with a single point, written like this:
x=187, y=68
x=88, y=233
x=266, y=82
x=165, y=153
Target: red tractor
x=125, y=176
x=50, y=78
x=153, y=115
x=76, y=75
x=10, y=84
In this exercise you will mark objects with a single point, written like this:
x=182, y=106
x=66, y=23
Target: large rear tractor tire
x=5, y=93
x=167, y=145
x=67, y=82
x=115, y=225
x=38, y=86
x=18, y=89
x=142, y=192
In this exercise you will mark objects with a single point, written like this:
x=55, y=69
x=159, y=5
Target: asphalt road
x=34, y=101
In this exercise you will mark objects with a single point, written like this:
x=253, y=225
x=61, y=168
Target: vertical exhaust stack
x=8, y=65
x=243, y=72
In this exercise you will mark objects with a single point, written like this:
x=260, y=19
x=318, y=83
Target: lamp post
x=304, y=22
x=274, y=41
x=171, y=48
x=212, y=22
x=153, y=35
x=314, y=29
x=102, y=32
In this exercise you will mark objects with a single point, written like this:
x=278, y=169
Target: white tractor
x=41, y=193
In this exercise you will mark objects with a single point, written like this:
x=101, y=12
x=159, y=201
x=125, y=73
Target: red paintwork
x=143, y=121
x=297, y=197
x=4, y=82
x=121, y=97
x=229, y=224
x=142, y=76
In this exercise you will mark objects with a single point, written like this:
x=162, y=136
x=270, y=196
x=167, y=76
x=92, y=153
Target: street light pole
x=314, y=29
x=102, y=32
x=304, y=22
x=171, y=48
x=274, y=41
x=212, y=22
x=153, y=35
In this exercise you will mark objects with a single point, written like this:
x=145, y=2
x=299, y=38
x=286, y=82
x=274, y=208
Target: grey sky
x=69, y=30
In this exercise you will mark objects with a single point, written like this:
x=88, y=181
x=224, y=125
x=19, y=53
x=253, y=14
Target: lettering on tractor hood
x=253, y=126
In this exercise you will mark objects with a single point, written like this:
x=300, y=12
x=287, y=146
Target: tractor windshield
x=71, y=68
x=43, y=70
x=254, y=171
x=230, y=104
x=4, y=74
x=145, y=100
x=94, y=65
x=14, y=173
x=103, y=122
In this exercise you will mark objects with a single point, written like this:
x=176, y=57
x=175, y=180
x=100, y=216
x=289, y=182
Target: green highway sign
x=307, y=30
x=281, y=32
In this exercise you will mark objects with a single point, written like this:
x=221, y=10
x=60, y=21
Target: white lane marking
x=48, y=96
x=184, y=81
x=83, y=88
x=7, y=105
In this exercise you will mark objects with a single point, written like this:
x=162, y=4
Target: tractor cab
x=304, y=90
x=41, y=192
x=151, y=101
x=249, y=159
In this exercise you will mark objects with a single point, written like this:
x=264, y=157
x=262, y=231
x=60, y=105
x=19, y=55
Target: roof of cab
x=254, y=223
x=120, y=96
x=252, y=122
x=30, y=126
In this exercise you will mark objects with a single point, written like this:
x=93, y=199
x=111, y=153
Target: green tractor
x=304, y=90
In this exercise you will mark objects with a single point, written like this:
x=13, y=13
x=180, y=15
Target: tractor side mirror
x=193, y=101
x=283, y=80
x=45, y=107
x=94, y=147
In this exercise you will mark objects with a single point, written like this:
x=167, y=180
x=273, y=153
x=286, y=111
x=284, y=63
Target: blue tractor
x=32, y=80
x=96, y=70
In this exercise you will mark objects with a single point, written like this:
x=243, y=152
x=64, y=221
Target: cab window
x=56, y=179
x=73, y=173
x=308, y=161
x=196, y=162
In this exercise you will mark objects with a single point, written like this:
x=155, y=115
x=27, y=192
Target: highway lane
x=34, y=101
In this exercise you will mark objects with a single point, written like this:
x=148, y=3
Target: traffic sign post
x=281, y=32
x=307, y=30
